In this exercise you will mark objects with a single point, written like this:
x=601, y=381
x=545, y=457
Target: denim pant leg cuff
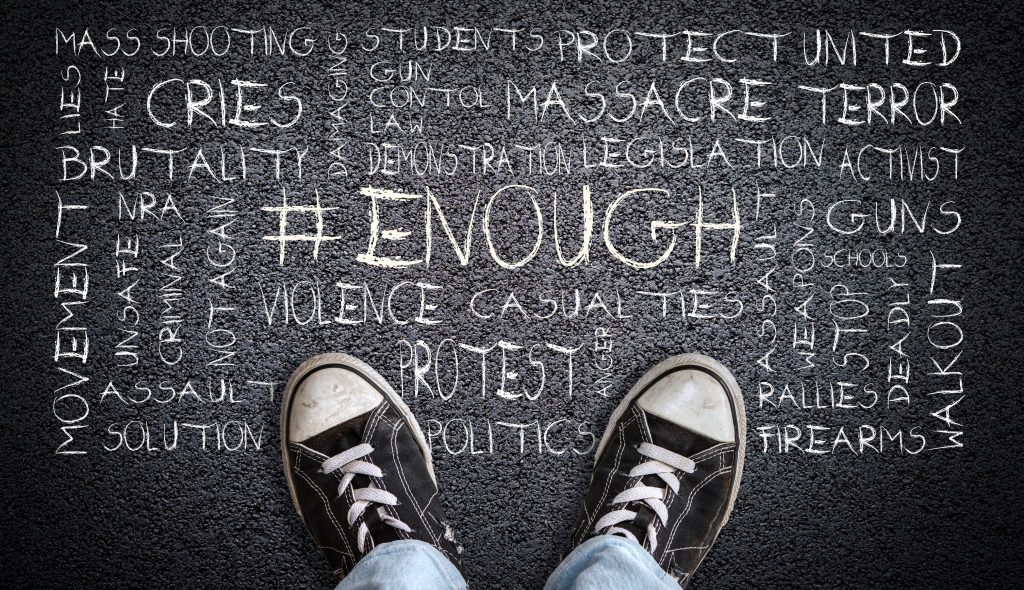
x=403, y=565
x=609, y=562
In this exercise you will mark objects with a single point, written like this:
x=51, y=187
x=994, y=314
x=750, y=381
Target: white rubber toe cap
x=693, y=400
x=328, y=397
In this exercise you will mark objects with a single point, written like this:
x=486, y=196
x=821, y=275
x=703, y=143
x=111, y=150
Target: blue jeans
x=604, y=562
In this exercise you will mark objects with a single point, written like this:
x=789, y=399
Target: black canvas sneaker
x=668, y=467
x=358, y=467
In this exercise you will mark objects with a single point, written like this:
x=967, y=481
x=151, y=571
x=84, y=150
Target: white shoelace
x=350, y=463
x=664, y=463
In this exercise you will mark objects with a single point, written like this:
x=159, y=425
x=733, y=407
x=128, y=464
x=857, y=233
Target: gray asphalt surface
x=188, y=518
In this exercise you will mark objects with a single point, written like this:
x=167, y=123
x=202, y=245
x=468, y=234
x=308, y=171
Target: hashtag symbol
x=283, y=237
